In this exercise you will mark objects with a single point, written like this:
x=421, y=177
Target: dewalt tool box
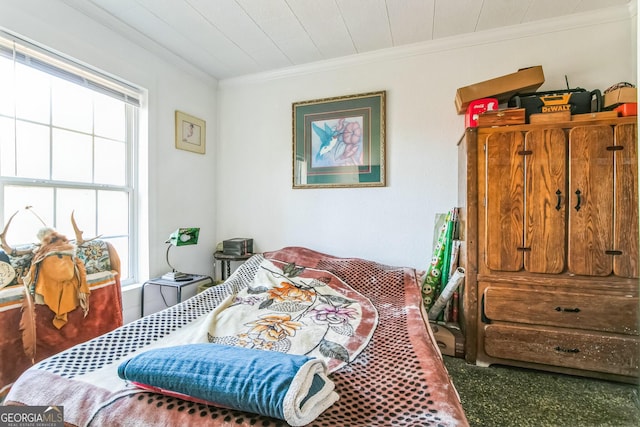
x=576, y=101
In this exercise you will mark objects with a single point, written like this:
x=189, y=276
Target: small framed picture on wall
x=190, y=133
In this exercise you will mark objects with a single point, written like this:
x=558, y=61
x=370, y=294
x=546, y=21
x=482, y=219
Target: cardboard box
x=502, y=88
x=449, y=339
x=620, y=96
x=509, y=116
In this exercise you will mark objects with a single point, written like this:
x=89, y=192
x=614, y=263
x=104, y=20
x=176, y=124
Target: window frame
x=97, y=81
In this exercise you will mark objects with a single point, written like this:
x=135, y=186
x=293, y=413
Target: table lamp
x=180, y=237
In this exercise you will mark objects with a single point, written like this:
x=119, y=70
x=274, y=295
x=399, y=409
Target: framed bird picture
x=339, y=142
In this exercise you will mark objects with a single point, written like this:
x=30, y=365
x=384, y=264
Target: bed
x=367, y=319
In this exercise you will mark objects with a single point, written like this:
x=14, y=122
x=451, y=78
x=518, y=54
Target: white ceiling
x=231, y=38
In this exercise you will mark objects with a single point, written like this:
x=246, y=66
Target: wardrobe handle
x=577, y=207
x=567, y=350
x=568, y=310
x=559, y=194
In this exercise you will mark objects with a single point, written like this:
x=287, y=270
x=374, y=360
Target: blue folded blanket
x=289, y=387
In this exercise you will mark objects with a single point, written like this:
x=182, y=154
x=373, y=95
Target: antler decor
x=79, y=239
x=3, y=241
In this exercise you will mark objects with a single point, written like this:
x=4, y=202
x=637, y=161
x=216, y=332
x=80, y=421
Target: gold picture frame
x=190, y=133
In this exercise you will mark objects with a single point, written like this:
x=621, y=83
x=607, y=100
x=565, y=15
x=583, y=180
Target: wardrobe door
x=546, y=200
x=504, y=204
x=591, y=209
x=625, y=232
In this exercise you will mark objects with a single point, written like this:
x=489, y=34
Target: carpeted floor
x=501, y=396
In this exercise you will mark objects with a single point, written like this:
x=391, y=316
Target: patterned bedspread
x=367, y=317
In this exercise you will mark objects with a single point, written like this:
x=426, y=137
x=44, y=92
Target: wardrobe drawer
x=606, y=313
x=615, y=354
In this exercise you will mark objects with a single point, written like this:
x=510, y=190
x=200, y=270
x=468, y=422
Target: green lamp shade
x=184, y=236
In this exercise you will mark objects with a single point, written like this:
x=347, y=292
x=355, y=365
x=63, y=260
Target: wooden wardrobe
x=549, y=224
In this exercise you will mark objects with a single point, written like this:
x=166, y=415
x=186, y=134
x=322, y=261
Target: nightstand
x=225, y=261
x=177, y=285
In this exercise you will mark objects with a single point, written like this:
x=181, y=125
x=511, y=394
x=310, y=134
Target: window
x=67, y=144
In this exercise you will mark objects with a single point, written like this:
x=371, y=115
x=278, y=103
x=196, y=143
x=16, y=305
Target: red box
x=476, y=108
x=627, y=109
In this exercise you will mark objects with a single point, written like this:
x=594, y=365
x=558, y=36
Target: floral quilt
x=297, y=310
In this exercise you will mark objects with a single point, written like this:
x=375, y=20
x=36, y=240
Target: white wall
x=243, y=184
x=180, y=183
x=392, y=225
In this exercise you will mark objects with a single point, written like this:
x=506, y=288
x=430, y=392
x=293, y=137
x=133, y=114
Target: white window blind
x=52, y=63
